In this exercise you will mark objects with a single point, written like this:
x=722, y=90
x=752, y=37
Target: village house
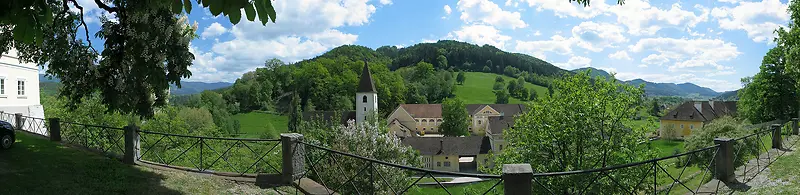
x=420, y=119
x=456, y=154
x=692, y=115
x=19, y=86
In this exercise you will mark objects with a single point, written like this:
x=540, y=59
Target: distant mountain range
x=186, y=86
x=662, y=89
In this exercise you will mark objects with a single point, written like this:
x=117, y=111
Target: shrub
x=727, y=127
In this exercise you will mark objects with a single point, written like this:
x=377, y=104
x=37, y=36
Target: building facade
x=692, y=116
x=19, y=86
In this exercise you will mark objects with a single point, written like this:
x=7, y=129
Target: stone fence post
x=18, y=121
x=293, y=157
x=795, y=130
x=724, y=160
x=517, y=179
x=54, y=126
x=776, y=136
x=132, y=149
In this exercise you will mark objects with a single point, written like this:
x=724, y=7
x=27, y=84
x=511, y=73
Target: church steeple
x=366, y=85
x=366, y=96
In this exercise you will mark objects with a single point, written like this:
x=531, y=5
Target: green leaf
x=177, y=7
x=23, y=30
x=270, y=10
x=262, y=11
x=234, y=14
x=250, y=12
x=188, y=6
x=216, y=7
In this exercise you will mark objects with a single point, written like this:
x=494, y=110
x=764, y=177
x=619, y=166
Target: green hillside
x=477, y=88
x=255, y=123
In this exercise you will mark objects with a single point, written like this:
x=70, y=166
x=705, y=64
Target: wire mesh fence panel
x=108, y=140
x=211, y=154
x=345, y=173
x=34, y=125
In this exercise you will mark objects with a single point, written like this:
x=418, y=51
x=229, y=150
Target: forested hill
x=467, y=57
x=661, y=89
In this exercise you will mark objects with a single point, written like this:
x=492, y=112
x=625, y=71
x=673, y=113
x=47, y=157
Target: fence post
x=131, y=145
x=54, y=127
x=293, y=157
x=18, y=121
x=795, y=130
x=517, y=179
x=724, y=160
x=776, y=136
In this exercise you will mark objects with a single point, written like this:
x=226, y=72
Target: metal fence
x=211, y=154
x=105, y=139
x=345, y=173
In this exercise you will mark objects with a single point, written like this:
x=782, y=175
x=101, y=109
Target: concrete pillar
x=724, y=168
x=776, y=136
x=795, y=130
x=18, y=121
x=132, y=148
x=293, y=157
x=517, y=179
x=54, y=126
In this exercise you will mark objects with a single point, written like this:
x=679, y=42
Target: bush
x=727, y=127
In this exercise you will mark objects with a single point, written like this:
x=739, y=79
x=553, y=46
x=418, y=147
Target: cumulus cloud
x=575, y=62
x=447, y=11
x=687, y=54
x=596, y=36
x=488, y=13
x=386, y=2
x=563, y=8
x=620, y=55
x=758, y=19
x=557, y=44
x=643, y=19
x=307, y=29
x=480, y=34
x=213, y=30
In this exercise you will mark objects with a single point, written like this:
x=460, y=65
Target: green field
x=256, y=123
x=477, y=88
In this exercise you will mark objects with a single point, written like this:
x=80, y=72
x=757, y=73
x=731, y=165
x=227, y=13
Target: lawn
x=256, y=123
x=37, y=166
x=477, y=88
x=667, y=147
x=473, y=188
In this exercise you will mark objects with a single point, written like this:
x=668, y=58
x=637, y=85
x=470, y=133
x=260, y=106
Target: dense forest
x=423, y=73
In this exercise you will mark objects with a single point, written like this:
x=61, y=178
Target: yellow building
x=418, y=119
x=455, y=154
x=692, y=116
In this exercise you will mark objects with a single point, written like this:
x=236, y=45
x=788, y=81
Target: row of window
x=427, y=122
x=446, y=164
x=20, y=87
x=690, y=126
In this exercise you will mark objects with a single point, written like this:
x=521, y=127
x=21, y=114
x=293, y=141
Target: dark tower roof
x=366, y=84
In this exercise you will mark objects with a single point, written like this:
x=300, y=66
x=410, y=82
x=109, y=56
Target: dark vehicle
x=6, y=135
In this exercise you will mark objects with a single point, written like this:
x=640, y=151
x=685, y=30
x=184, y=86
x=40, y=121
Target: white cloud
x=447, y=10
x=480, y=34
x=620, y=55
x=687, y=55
x=557, y=44
x=537, y=33
x=575, y=62
x=489, y=13
x=643, y=19
x=596, y=36
x=758, y=19
x=386, y=2
x=564, y=8
x=213, y=30
x=306, y=29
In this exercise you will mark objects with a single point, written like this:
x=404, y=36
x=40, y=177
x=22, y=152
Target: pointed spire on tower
x=366, y=84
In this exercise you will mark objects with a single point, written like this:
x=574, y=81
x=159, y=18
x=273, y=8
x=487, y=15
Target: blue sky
x=712, y=43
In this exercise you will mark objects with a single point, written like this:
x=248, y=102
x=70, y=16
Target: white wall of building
x=365, y=107
x=12, y=72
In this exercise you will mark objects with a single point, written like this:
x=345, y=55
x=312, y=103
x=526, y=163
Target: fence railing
x=292, y=160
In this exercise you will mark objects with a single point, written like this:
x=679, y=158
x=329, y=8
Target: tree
x=461, y=78
x=770, y=94
x=424, y=70
x=550, y=90
x=725, y=126
x=597, y=111
x=146, y=46
x=486, y=69
x=489, y=64
x=295, y=115
x=501, y=96
x=455, y=116
x=523, y=94
x=533, y=95
x=499, y=86
x=513, y=89
x=655, y=109
x=499, y=79
x=441, y=61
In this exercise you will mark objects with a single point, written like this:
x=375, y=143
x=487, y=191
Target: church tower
x=366, y=96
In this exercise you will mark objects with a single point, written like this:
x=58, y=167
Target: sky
x=712, y=43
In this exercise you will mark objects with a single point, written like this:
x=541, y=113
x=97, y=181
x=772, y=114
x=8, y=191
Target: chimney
x=699, y=106
x=711, y=102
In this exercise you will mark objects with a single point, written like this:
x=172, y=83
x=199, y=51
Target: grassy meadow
x=477, y=88
x=256, y=123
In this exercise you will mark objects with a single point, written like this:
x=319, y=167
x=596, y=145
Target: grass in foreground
x=37, y=166
x=477, y=88
x=473, y=188
x=255, y=123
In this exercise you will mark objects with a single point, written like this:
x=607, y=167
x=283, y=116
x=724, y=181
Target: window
x=365, y=109
x=479, y=122
x=691, y=126
x=2, y=86
x=20, y=87
x=501, y=146
x=364, y=99
x=681, y=126
x=438, y=164
x=447, y=163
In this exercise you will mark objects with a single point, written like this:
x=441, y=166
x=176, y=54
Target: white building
x=19, y=86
